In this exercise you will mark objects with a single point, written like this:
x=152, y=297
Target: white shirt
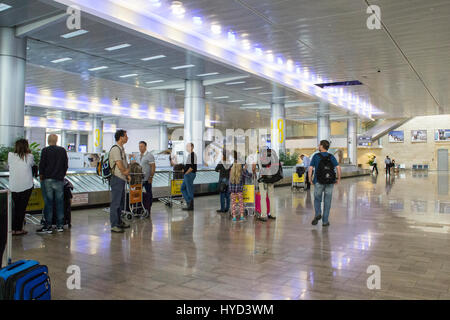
x=20, y=172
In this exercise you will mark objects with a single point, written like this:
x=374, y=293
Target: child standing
x=237, y=175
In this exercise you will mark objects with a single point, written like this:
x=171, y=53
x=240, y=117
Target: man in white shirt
x=388, y=162
x=375, y=165
x=147, y=161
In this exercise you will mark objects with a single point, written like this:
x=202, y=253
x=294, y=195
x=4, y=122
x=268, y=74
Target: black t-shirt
x=191, y=162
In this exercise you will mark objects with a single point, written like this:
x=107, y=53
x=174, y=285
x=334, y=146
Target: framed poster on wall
x=442, y=135
x=397, y=136
x=418, y=135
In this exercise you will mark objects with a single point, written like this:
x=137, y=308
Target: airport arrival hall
x=224, y=150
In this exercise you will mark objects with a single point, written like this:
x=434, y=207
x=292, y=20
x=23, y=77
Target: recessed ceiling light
x=263, y=93
x=207, y=74
x=197, y=20
x=129, y=75
x=180, y=89
x=154, y=81
x=208, y=92
x=61, y=60
x=249, y=104
x=253, y=88
x=223, y=97
x=284, y=97
x=4, y=7
x=234, y=101
x=216, y=29
x=183, y=66
x=231, y=83
x=74, y=34
x=154, y=57
x=98, y=68
x=120, y=46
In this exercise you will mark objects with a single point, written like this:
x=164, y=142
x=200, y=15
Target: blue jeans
x=117, y=201
x=224, y=197
x=325, y=191
x=147, y=196
x=187, y=188
x=53, y=193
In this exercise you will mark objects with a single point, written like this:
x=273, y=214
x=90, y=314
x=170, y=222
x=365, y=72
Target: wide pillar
x=352, y=143
x=96, y=141
x=163, y=137
x=12, y=85
x=77, y=141
x=194, y=116
x=64, y=139
x=323, y=122
x=278, y=124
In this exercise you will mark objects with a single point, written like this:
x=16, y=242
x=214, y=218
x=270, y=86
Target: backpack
x=104, y=169
x=272, y=178
x=325, y=172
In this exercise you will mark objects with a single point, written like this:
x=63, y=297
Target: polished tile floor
x=401, y=225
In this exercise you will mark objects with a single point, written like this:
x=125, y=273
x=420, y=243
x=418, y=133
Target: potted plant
x=4, y=150
x=287, y=159
x=371, y=158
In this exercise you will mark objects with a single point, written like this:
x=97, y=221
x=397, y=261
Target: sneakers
x=234, y=219
x=124, y=225
x=60, y=229
x=117, y=230
x=326, y=224
x=316, y=219
x=45, y=230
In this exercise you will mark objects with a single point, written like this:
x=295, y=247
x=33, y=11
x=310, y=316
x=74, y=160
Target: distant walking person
x=388, y=163
x=306, y=164
x=374, y=165
x=147, y=162
x=52, y=170
x=20, y=163
x=190, y=172
x=325, y=165
x=120, y=176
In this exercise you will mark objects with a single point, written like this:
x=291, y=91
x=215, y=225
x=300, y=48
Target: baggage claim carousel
x=90, y=190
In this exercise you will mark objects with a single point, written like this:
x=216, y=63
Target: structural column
x=323, y=122
x=352, y=143
x=77, y=141
x=278, y=127
x=64, y=139
x=194, y=116
x=163, y=137
x=97, y=135
x=12, y=86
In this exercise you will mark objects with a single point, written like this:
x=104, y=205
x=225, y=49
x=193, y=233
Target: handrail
x=7, y=258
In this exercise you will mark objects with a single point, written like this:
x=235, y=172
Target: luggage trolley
x=174, y=183
x=134, y=198
x=298, y=178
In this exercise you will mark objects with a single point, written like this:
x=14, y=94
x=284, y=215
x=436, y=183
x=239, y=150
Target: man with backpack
x=324, y=180
x=120, y=174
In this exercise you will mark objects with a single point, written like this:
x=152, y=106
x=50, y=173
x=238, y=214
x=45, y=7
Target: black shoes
x=190, y=206
x=325, y=224
x=316, y=219
x=271, y=217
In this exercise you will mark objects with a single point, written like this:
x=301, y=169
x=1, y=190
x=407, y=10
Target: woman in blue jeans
x=224, y=180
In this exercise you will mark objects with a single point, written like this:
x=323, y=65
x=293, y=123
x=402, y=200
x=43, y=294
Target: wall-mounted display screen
x=396, y=136
x=418, y=135
x=442, y=135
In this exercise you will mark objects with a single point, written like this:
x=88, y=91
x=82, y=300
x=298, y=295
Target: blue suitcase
x=25, y=280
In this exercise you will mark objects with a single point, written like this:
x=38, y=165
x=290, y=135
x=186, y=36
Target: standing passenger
x=190, y=172
x=52, y=170
x=238, y=173
x=388, y=162
x=20, y=163
x=120, y=175
x=147, y=162
x=224, y=180
x=306, y=164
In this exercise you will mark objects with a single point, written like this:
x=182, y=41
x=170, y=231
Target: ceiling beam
x=26, y=29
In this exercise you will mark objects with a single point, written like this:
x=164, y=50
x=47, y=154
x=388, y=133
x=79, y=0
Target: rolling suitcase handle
x=7, y=257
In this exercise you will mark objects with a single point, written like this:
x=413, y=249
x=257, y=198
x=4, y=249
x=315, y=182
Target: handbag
x=274, y=177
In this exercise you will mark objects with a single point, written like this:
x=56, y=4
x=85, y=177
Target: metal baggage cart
x=298, y=179
x=174, y=184
x=134, y=206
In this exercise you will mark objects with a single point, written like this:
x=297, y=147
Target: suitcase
x=258, y=203
x=24, y=279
